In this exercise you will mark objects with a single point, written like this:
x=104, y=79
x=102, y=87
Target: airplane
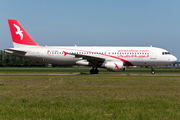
x=114, y=59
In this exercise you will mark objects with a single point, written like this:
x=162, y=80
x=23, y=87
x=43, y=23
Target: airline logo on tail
x=18, y=31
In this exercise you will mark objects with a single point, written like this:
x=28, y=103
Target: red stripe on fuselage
x=65, y=53
x=125, y=61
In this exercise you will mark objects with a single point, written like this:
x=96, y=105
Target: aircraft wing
x=15, y=50
x=92, y=58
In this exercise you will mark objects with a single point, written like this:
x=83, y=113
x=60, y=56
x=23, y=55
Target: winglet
x=19, y=36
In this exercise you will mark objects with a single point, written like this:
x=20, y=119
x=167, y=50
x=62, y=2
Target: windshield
x=165, y=53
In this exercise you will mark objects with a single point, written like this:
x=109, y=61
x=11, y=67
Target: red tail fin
x=19, y=35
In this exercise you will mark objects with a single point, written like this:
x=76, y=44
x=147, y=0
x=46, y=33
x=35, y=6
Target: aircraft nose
x=173, y=59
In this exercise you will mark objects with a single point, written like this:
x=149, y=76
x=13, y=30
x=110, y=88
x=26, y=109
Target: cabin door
x=153, y=53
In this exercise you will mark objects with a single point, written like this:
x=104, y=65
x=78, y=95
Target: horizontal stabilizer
x=15, y=50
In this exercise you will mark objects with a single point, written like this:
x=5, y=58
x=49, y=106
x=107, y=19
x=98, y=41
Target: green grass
x=86, y=70
x=89, y=97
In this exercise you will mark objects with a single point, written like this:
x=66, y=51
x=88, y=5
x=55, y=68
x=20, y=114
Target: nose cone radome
x=173, y=59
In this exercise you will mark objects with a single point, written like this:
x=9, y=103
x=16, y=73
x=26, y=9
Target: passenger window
x=56, y=52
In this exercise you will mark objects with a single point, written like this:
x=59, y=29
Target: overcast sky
x=95, y=22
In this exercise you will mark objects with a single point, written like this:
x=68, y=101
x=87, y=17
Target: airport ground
x=85, y=70
x=84, y=96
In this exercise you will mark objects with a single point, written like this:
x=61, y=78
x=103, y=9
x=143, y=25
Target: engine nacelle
x=115, y=66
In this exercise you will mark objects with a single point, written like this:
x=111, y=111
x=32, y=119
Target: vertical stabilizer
x=19, y=36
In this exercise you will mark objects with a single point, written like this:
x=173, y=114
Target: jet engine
x=115, y=66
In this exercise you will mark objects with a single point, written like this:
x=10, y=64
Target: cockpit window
x=165, y=53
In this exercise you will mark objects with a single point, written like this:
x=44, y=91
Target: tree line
x=7, y=60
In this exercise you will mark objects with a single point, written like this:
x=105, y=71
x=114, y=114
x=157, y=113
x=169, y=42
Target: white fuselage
x=130, y=56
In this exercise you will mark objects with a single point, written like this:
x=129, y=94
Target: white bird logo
x=19, y=31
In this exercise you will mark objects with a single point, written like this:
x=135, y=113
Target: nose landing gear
x=152, y=70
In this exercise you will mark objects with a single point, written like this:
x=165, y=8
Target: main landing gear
x=94, y=71
x=152, y=70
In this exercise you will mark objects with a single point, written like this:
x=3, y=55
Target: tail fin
x=19, y=36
